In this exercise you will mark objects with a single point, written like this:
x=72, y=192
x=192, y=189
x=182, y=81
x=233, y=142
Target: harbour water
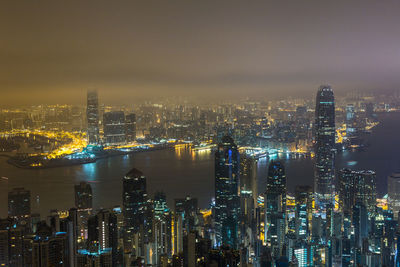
x=181, y=172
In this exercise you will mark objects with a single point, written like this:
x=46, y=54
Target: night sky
x=53, y=51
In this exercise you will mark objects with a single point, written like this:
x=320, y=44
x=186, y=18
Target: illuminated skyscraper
x=248, y=203
x=11, y=243
x=130, y=127
x=134, y=199
x=275, y=208
x=346, y=190
x=114, y=128
x=356, y=187
x=393, y=187
x=162, y=226
x=83, y=203
x=350, y=119
x=324, y=146
x=303, y=213
x=248, y=186
x=92, y=114
x=19, y=203
x=103, y=233
x=226, y=192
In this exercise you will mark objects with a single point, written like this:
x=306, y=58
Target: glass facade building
x=275, y=208
x=114, y=128
x=324, y=131
x=227, y=205
x=134, y=199
x=92, y=115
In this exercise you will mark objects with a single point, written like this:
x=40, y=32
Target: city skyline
x=200, y=134
x=252, y=219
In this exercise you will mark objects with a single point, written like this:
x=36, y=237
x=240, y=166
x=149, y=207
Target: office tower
x=92, y=114
x=248, y=187
x=275, y=208
x=177, y=231
x=226, y=192
x=11, y=243
x=346, y=190
x=303, y=212
x=73, y=232
x=324, y=130
x=350, y=119
x=360, y=223
x=248, y=205
x=190, y=249
x=53, y=220
x=366, y=189
x=103, y=233
x=160, y=204
x=48, y=248
x=300, y=253
x=187, y=207
x=130, y=127
x=134, y=204
x=356, y=186
x=183, y=221
x=114, y=128
x=19, y=204
x=83, y=203
x=393, y=189
x=162, y=226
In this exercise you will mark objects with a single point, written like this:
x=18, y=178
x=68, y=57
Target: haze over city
x=133, y=50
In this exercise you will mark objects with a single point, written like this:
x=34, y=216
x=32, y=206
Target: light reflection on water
x=179, y=172
x=89, y=171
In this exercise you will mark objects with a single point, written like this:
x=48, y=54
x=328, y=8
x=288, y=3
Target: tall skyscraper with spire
x=92, y=114
x=227, y=204
x=324, y=130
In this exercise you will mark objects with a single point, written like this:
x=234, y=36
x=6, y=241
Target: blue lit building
x=162, y=226
x=227, y=206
